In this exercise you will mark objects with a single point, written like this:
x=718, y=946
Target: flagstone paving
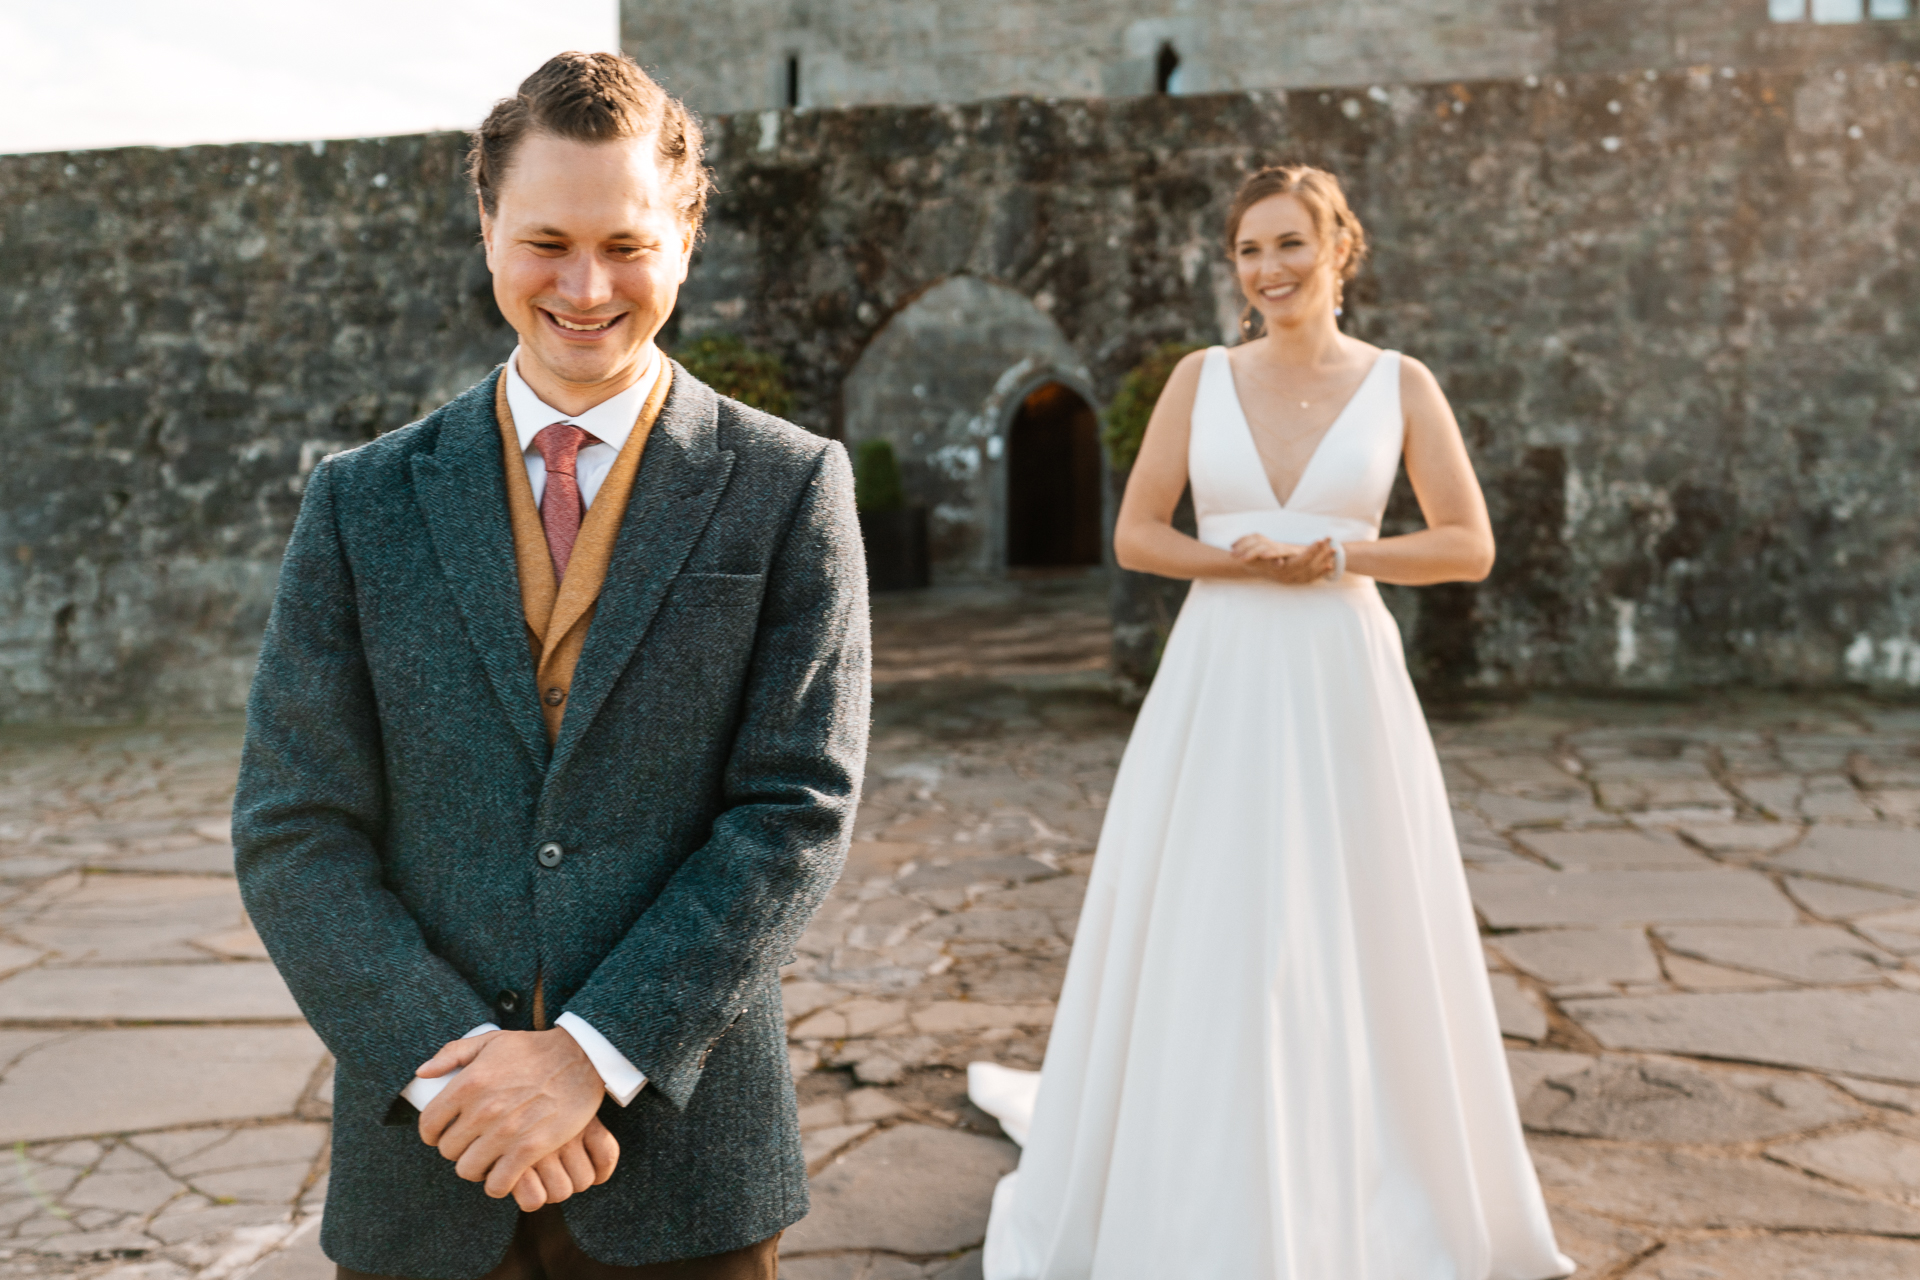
x=1702, y=924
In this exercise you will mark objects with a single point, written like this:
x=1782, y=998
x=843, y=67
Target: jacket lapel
x=682, y=475
x=462, y=491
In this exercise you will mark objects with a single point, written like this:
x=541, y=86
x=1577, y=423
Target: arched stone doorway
x=1053, y=480
x=945, y=380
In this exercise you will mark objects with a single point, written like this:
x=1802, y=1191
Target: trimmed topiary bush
x=731, y=367
x=876, y=478
x=1133, y=403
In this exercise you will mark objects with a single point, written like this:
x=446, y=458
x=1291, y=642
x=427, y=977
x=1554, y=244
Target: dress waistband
x=1283, y=526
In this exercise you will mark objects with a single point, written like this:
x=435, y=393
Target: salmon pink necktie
x=560, y=507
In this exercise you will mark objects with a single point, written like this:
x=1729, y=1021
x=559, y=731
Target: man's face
x=587, y=254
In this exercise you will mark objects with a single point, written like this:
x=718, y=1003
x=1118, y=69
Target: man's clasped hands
x=521, y=1116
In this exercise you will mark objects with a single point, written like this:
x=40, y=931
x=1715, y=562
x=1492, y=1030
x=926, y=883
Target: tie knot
x=559, y=444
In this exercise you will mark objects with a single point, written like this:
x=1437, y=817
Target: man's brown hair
x=593, y=97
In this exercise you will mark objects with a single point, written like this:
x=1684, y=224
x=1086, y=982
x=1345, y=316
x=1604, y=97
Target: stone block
x=1057, y=893
x=1898, y=806
x=1801, y=953
x=1779, y=797
x=1563, y=957
x=1662, y=1100
x=871, y=1104
x=1892, y=1096
x=235, y=944
x=911, y=1190
x=86, y=1244
x=137, y=1191
x=1866, y=1033
x=817, y=1144
x=1659, y=1188
x=951, y=1016
x=803, y=998
x=106, y=919
x=1897, y=931
x=149, y=993
x=1741, y=837
x=1599, y=849
x=300, y=1259
x=1697, y=975
x=200, y=860
x=1022, y=927
x=14, y=958
x=855, y=1019
x=966, y=1267
x=1642, y=794
x=116, y=1081
x=966, y=873
x=1596, y=1244
x=1515, y=901
x=1842, y=901
x=1836, y=801
x=1881, y=858
x=1530, y=1069
x=879, y=1068
x=1784, y=1257
x=1508, y=812
x=1518, y=1009
x=246, y=1148
x=1527, y=775
x=178, y=1227
x=1870, y=1159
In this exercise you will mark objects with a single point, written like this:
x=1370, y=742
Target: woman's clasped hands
x=1285, y=562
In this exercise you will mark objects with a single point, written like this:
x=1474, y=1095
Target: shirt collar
x=610, y=421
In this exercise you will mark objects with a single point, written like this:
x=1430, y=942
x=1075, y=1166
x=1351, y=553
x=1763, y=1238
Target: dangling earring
x=1339, y=298
x=1250, y=323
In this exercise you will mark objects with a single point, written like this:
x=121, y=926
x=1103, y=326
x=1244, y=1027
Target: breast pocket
x=718, y=590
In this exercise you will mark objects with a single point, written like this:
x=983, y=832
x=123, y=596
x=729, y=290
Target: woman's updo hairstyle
x=1325, y=201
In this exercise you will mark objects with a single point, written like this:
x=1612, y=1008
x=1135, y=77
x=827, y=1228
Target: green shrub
x=1133, y=403
x=733, y=368
x=876, y=478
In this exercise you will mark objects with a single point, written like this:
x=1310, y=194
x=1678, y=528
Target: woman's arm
x=1457, y=544
x=1144, y=539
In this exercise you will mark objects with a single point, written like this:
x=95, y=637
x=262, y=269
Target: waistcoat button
x=507, y=1001
x=550, y=854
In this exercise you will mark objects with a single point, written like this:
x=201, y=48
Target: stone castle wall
x=1678, y=316
x=738, y=55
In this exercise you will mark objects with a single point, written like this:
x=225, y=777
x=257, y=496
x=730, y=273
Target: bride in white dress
x=1276, y=1055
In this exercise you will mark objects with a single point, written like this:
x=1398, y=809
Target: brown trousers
x=543, y=1249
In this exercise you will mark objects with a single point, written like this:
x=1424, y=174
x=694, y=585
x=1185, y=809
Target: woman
x=1276, y=1054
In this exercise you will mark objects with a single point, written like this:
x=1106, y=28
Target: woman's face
x=1283, y=267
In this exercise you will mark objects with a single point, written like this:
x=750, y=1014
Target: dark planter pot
x=896, y=548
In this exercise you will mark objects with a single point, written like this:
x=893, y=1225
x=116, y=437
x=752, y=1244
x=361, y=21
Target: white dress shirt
x=610, y=423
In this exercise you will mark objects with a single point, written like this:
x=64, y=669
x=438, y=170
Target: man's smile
x=584, y=326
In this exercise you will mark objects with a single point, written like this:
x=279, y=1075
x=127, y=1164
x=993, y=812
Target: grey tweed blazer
x=397, y=788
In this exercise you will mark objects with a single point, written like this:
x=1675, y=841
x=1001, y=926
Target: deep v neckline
x=1246, y=425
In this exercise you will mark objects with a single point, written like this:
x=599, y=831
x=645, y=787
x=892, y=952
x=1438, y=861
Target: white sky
x=112, y=73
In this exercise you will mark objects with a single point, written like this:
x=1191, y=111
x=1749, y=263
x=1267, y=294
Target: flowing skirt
x=1276, y=1054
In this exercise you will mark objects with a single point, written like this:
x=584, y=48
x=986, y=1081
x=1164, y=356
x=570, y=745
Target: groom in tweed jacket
x=554, y=748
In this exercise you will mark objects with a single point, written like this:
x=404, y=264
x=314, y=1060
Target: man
x=554, y=748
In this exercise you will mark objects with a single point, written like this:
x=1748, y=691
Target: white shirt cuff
x=622, y=1078
x=425, y=1089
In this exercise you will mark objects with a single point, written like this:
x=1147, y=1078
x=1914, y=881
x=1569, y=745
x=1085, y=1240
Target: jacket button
x=556, y=696
x=550, y=855
x=507, y=1001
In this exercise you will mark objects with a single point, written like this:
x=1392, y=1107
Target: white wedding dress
x=1276, y=1055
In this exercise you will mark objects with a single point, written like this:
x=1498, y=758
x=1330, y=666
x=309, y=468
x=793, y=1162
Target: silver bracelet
x=1339, y=561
